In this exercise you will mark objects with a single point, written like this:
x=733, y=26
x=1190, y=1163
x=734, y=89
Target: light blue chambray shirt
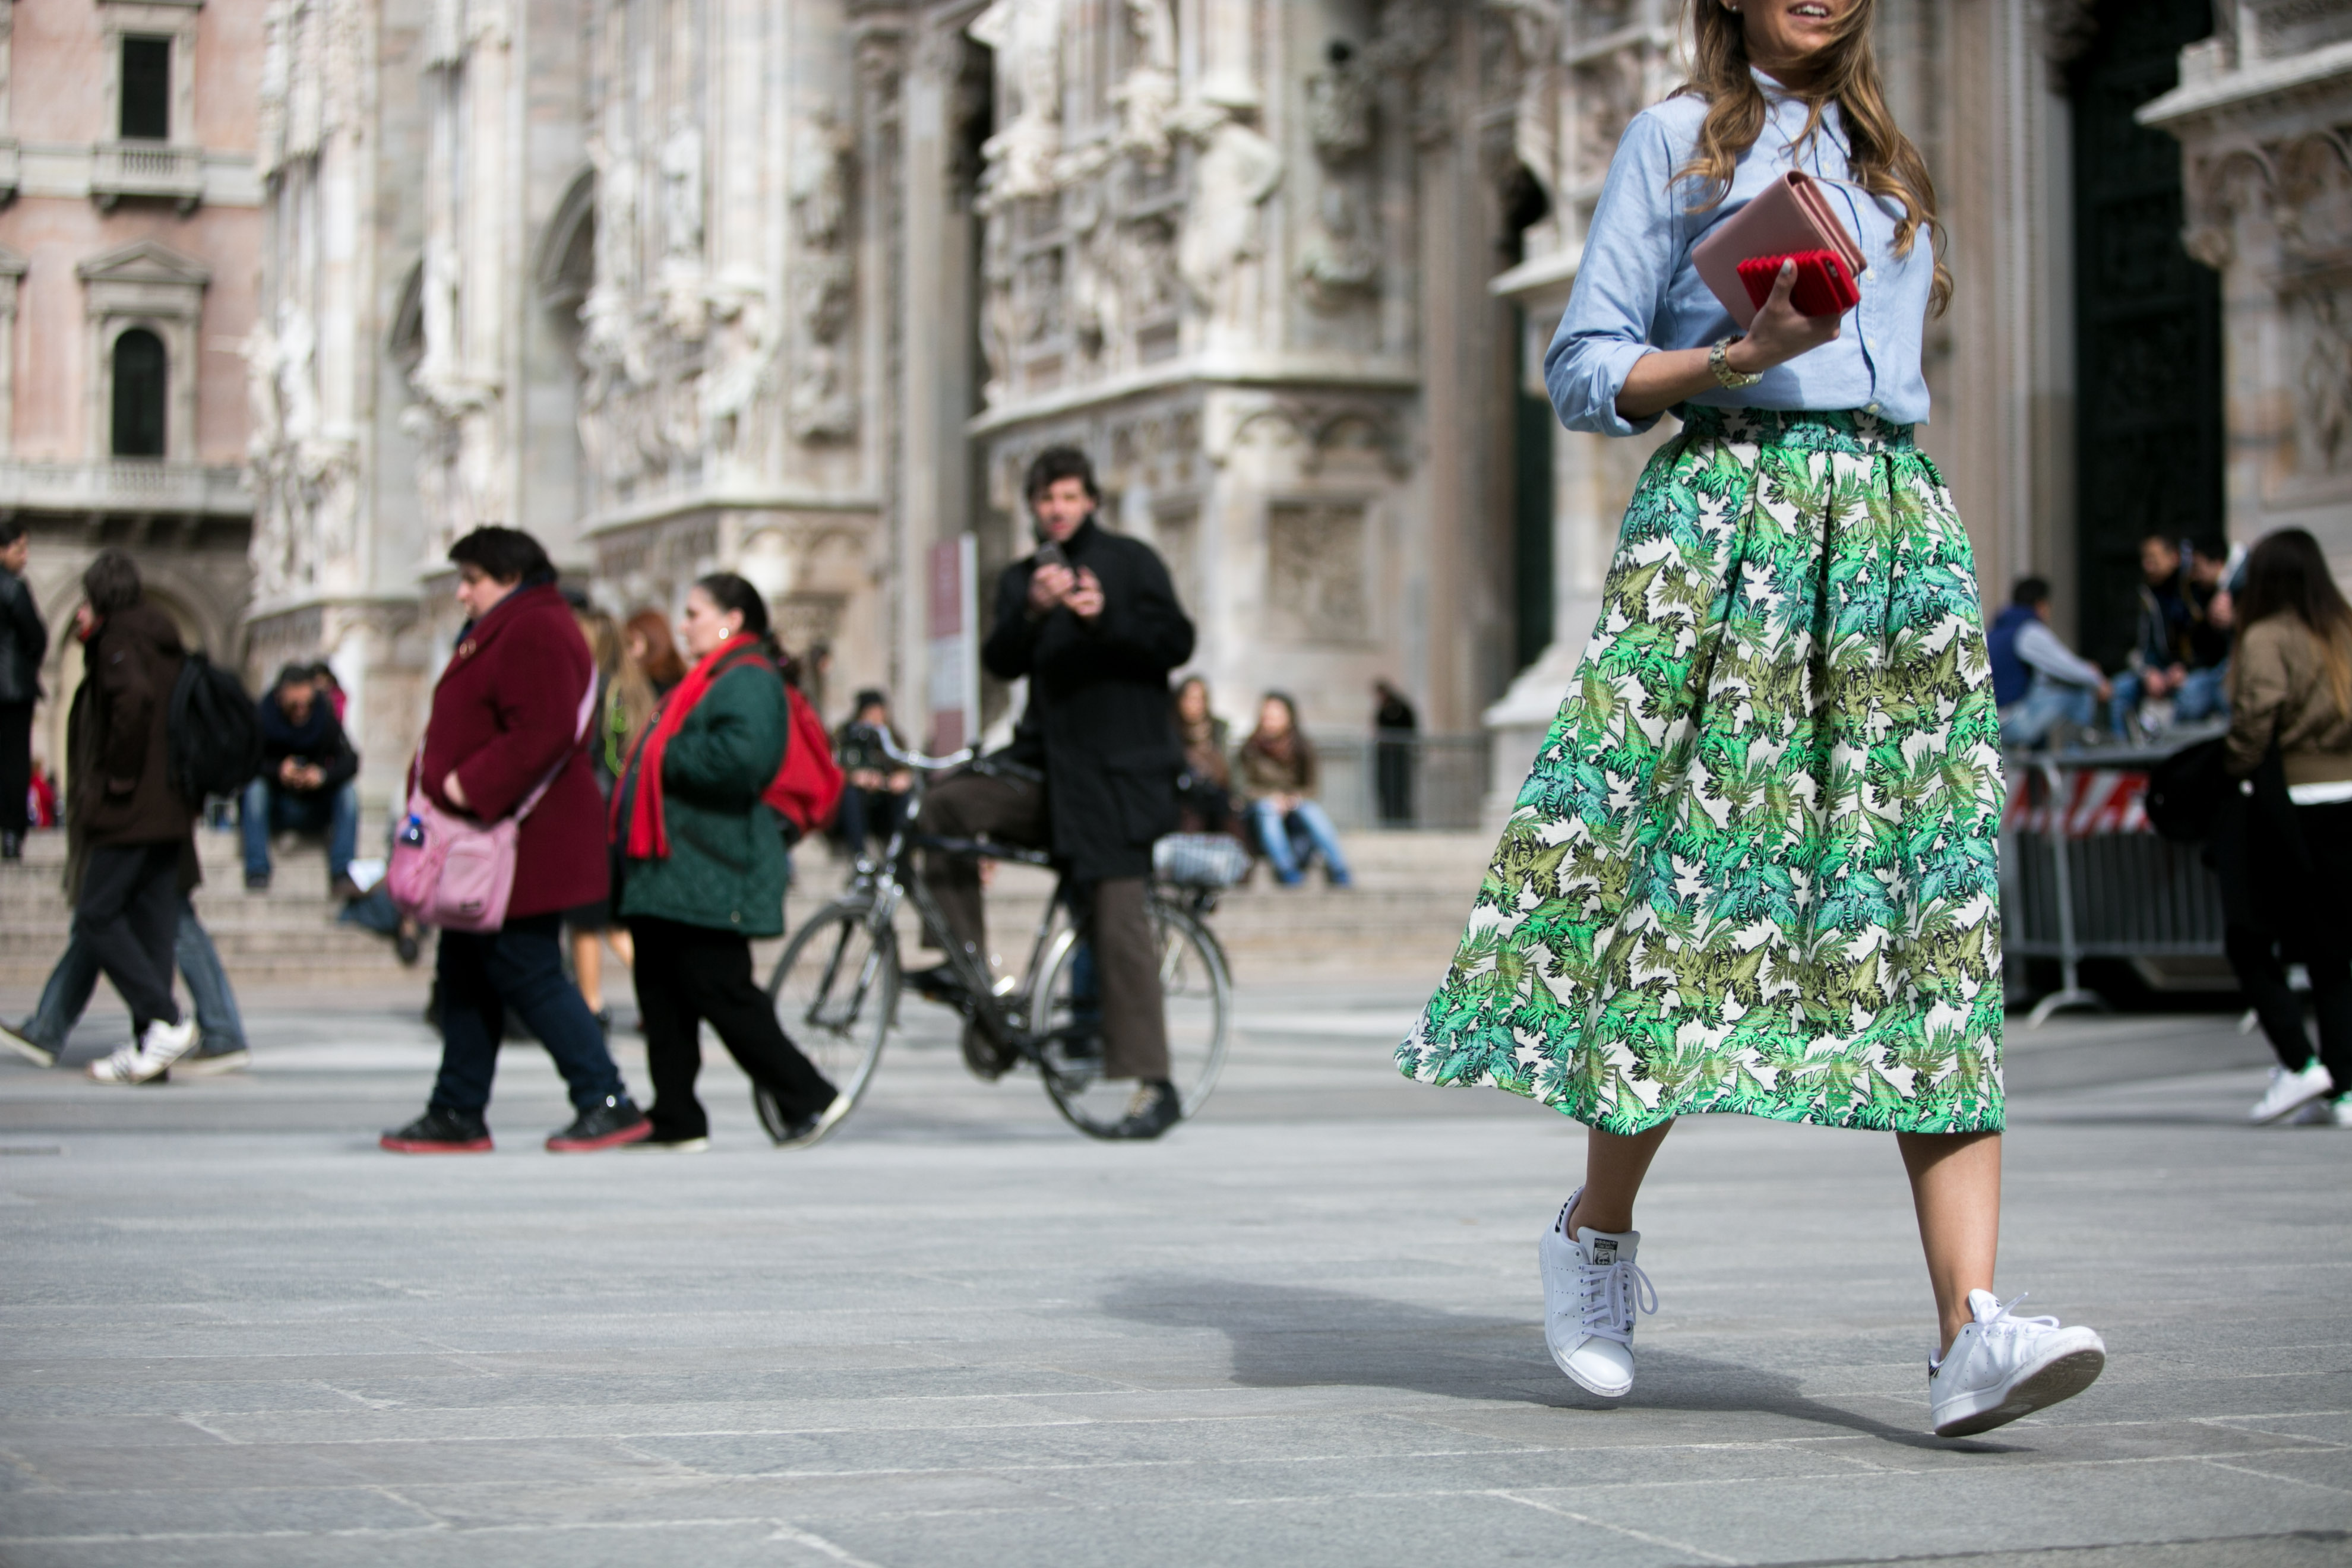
x=1636, y=290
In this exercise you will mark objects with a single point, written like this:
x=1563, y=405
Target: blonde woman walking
x=1754, y=869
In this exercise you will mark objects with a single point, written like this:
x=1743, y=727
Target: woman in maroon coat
x=506, y=715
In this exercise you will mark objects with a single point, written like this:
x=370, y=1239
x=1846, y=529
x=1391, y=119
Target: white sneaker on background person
x=150, y=1056
x=1591, y=1288
x=2340, y=1109
x=2001, y=1367
x=2291, y=1091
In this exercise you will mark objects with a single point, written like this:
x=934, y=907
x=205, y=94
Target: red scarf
x=648, y=834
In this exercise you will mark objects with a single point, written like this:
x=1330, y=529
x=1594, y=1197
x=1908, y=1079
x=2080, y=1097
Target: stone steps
x=1402, y=920
x=287, y=936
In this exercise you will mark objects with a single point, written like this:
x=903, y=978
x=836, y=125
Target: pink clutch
x=1790, y=217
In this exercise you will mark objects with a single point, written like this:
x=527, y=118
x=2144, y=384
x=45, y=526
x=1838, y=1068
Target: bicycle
x=836, y=988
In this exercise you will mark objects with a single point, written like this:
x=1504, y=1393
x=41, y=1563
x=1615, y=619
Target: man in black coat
x=1092, y=621
x=24, y=643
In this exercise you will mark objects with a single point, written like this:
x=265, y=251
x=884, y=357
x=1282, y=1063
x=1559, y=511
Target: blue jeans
x=2027, y=724
x=1309, y=821
x=270, y=807
x=519, y=966
x=220, y=1028
x=2203, y=694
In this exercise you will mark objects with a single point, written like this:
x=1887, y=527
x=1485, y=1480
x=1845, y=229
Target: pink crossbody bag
x=453, y=872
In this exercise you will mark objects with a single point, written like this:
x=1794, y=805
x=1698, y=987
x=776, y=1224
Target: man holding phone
x=1091, y=620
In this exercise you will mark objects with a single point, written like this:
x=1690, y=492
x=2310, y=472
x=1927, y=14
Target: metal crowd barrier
x=2082, y=875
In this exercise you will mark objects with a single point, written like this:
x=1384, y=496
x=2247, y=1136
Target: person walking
x=220, y=1026
x=652, y=651
x=704, y=873
x=1754, y=867
x=2284, y=851
x=24, y=644
x=624, y=707
x=136, y=835
x=1091, y=619
x=308, y=780
x=1279, y=775
x=505, y=720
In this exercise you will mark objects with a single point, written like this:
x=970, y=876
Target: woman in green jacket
x=704, y=872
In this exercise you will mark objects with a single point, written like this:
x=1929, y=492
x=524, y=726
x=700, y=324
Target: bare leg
x=1613, y=1168
x=588, y=968
x=1955, y=1189
x=623, y=945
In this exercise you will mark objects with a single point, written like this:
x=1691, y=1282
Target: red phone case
x=1823, y=286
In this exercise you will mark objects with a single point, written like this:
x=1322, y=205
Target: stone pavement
x=1305, y=1330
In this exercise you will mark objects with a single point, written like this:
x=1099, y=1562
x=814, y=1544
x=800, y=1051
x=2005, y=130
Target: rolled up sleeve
x=1630, y=254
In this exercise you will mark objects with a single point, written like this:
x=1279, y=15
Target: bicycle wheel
x=1067, y=1018
x=836, y=990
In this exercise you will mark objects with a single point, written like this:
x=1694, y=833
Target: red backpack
x=808, y=786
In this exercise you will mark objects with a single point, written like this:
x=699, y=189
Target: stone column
x=2264, y=116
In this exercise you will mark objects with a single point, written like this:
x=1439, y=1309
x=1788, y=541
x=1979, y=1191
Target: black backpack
x=216, y=732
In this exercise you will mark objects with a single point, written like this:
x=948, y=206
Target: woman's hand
x=1779, y=334
x=456, y=791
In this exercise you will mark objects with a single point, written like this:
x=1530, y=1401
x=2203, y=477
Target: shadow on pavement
x=1285, y=1337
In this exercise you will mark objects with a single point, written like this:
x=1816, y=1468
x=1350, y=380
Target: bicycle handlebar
x=915, y=760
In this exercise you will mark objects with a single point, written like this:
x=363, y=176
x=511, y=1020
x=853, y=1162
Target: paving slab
x=1304, y=1329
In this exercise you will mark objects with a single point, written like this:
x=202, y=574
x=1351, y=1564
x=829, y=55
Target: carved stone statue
x=1223, y=231
x=1146, y=96
x=1024, y=154
x=682, y=170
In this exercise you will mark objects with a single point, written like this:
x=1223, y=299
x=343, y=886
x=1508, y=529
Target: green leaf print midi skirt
x=1755, y=865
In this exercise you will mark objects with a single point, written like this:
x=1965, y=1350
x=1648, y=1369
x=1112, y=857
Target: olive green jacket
x=726, y=867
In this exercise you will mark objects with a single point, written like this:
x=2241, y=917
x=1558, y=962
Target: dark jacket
x=1098, y=721
x=504, y=713
x=318, y=741
x=23, y=640
x=726, y=867
x=118, y=733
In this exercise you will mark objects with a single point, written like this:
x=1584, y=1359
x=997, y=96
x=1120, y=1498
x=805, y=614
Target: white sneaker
x=150, y=1056
x=2001, y=1367
x=2291, y=1091
x=2342, y=1109
x=1591, y=1288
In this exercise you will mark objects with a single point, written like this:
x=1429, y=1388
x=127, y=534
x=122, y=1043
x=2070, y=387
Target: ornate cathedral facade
x=798, y=287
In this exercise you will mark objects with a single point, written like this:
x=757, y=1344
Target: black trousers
x=15, y=763
x=128, y=916
x=483, y=974
x=687, y=973
x=2285, y=904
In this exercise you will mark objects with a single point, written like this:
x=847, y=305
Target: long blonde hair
x=1882, y=160
x=629, y=698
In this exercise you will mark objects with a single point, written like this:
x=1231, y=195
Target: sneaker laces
x=1609, y=1293
x=2005, y=1323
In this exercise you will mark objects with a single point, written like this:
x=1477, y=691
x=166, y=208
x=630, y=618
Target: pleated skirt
x=1755, y=867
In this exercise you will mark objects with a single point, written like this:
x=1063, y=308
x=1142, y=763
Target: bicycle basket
x=1200, y=860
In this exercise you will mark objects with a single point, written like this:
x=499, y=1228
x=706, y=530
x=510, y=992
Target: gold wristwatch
x=1719, y=360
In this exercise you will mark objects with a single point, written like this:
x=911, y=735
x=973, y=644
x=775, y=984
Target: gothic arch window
x=141, y=393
